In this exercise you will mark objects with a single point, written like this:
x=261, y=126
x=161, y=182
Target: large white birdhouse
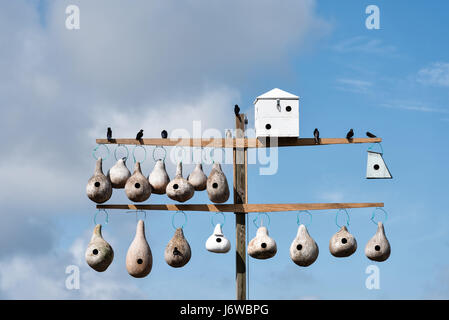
x=277, y=114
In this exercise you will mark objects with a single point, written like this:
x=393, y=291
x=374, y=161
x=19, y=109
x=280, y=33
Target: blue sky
x=157, y=66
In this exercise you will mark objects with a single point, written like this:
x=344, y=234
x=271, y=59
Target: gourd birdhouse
x=277, y=114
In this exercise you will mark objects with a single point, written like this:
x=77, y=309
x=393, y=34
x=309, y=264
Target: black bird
x=109, y=134
x=350, y=134
x=316, y=135
x=164, y=134
x=236, y=110
x=369, y=134
x=139, y=134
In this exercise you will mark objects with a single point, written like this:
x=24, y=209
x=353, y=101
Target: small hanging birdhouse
x=376, y=167
x=277, y=114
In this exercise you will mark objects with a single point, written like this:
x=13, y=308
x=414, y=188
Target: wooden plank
x=240, y=208
x=239, y=199
x=238, y=143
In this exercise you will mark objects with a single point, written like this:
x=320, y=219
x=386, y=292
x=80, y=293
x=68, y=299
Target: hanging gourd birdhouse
x=277, y=114
x=99, y=187
x=217, y=242
x=378, y=248
x=137, y=188
x=159, y=178
x=139, y=259
x=197, y=178
x=376, y=168
x=177, y=252
x=217, y=185
x=342, y=244
x=99, y=253
x=119, y=174
x=262, y=246
x=179, y=189
x=303, y=250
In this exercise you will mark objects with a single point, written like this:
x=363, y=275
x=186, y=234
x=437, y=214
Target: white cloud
x=367, y=45
x=436, y=74
x=354, y=85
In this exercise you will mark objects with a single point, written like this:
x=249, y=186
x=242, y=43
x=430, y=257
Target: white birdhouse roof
x=277, y=93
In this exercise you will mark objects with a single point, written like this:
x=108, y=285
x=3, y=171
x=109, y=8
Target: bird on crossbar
x=316, y=136
x=109, y=134
x=139, y=134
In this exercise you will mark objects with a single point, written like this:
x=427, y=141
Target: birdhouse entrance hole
x=299, y=247
x=377, y=248
x=215, y=185
x=218, y=240
x=97, y=184
x=263, y=245
x=137, y=185
x=139, y=261
x=95, y=251
x=344, y=240
x=175, y=186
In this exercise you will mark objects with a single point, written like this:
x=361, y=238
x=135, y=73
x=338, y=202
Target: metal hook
x=347, y=217
x=261, y=221
x=213, y=216
x=154, y=152
x=137, y=213
x=96, y=148
x=105, y=212
x=373, y=215
x=298, y=220
x=173, y=219
x=123, y=146
x=144, y=149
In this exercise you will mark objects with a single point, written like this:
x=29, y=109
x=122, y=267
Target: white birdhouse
x=277, y=114
x=376, y=167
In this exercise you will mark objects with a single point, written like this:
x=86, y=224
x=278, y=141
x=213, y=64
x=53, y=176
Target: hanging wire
x=105, y=212
x=214, y=215
x=173, y=220
x=378, y=144
x=373, y=215
x=137, y=213
x=347, y=217
x=123, y=146
x=134, y=150
x=97, y=147
x=298, y=222
x=154, y=152
x=261, y=219
x=175, y=151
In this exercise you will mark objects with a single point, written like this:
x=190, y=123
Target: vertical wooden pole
x=240, y=190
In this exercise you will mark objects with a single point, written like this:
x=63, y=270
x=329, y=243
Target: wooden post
x=240, y=189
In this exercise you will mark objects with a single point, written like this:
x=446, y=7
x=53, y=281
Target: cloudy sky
x=164, y=64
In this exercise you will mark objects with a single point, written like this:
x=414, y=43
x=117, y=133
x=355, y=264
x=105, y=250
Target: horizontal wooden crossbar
x=238, y=143
x=240, y=208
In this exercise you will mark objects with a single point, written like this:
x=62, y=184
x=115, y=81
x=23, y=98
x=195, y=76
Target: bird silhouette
x=164, y=134
x=369, y=134
x=350, y=134
x=236, y=110
x=316, y=135
x=139, y=134
x=109, y=134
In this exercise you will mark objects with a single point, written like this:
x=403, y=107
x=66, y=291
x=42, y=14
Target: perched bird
x=109, y=134
x=350, y=134
x=164, y=134
x=139, y=134
x=236, y=110
x=228, y=134
x=369, y=134
x=246, y=120
x=316, y=135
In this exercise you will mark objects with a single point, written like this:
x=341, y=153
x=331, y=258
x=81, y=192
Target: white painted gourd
x=217, y=185
x=119, y=174
x=137, y=188
x=139, y=259
x=159, y=178
x=262, y=246
x=197, y=178
x=99, y=188
x=303, y=250
x=177, y=252
x=99, y=253
x=179, y=189
x=378, y=248
x=217, y=242
x=342, y=244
